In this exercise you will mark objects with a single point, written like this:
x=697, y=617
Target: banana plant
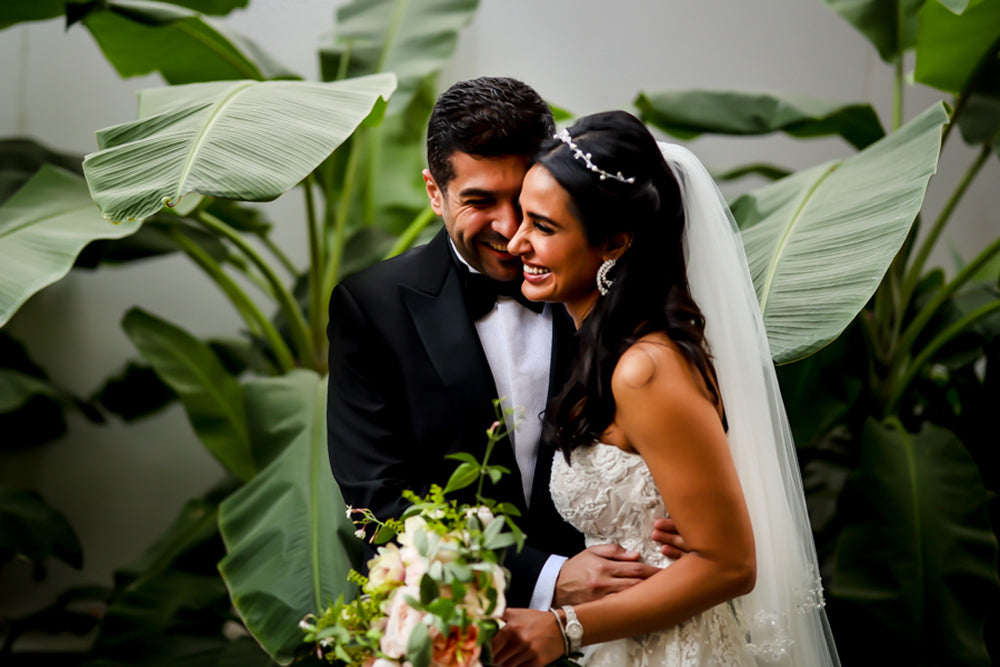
x=889, y=414
x=235, y=128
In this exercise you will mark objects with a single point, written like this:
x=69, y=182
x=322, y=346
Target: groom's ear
x=616, y=245
x=434, y=193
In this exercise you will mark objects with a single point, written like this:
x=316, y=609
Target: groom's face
x=480, y=209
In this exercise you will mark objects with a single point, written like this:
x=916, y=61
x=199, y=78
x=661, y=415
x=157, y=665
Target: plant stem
x=248, y=310
x=279, y=254
x=897, y=95
x=332, y=268
x=917, y=267
x=316, y=261
x=928, y=311
x=409, y=235
x=931, y=349
x=296, y=320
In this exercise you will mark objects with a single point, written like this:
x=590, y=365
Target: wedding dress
x=609, y=495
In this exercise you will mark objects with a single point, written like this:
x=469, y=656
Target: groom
x=420, y=345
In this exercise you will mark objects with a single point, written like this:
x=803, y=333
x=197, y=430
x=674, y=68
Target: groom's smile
x=480, y=209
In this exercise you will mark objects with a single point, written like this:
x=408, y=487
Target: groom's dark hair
x=485, y=117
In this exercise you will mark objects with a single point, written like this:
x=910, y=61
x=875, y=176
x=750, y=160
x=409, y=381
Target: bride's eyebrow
x=538, y=217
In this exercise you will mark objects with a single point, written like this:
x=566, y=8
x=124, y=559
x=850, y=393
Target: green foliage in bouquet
x=437, y=592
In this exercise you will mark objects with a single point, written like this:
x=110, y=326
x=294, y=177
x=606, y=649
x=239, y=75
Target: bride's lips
x=534, y=273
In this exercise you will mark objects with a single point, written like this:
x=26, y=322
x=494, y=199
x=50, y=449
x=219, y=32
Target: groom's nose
x=507, y=219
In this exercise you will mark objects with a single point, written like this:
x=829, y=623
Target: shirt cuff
x=545, y=585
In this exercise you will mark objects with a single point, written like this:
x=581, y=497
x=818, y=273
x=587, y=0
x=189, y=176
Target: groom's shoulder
x=403, y=269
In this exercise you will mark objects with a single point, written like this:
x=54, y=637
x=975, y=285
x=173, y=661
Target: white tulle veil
x=783, y=616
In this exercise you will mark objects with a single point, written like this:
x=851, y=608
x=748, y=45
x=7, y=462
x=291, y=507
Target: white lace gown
x=610, y=496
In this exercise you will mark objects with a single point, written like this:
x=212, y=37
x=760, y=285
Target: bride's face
x=559, y=262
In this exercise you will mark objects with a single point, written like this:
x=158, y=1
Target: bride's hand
x=529, y=638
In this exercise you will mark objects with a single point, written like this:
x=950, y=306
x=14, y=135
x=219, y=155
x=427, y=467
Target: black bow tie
x=481, y=294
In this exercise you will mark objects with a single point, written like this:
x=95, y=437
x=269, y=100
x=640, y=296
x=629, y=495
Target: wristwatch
x=574, y=630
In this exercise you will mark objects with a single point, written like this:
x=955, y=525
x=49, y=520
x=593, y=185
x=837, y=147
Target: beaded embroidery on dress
x=609, y=495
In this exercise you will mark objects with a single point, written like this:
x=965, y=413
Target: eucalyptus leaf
x=289, y=543
x=412, y=40
x=212, y=398
x=43, y=227
x=910, y=496
x=819, y=242
x=689, y=113
x=241, y=140
x=890, y=25
x=464, y=475
x=418, y=646
x=953, y=49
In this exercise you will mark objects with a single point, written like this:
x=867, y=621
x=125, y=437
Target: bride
x=672, y=407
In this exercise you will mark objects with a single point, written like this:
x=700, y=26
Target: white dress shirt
x=518, y=346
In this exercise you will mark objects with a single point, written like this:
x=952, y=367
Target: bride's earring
x=603, y=284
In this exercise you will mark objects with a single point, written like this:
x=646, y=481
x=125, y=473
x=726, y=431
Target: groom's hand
x=599, y=571
x=672, y=545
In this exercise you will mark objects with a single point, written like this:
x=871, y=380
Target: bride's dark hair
x=650, y=291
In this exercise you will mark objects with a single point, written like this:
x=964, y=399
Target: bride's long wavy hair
x=650, y=291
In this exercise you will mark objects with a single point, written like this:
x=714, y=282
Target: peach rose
x=402, y=619
x=456, y=649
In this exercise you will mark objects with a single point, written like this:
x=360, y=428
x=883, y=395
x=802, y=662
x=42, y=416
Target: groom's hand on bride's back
x=671, y=543
x=599, y=571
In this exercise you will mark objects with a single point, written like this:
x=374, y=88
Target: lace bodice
x=610, y=496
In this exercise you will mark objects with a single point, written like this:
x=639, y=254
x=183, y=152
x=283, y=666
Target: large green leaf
x=916, y=564
x=43, y=227
x=140, y=37
x=20, y=159
x=952, y=49
x=290, y=545
x=237, y=140
x=212, y=398
x=890, y=25
x=980, y=121
x=411, y=39
x=819, y=241
x=19, y=11
x=33, y=530
x=688, y=113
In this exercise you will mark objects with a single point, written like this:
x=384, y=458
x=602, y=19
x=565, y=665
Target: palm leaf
x=140, y=37
x=241, y=140
x=212, y=398
x=289, y=543
x=917, y=548
x=819, y=241
x=414, y=40
x=689, y=113
x=43, y=227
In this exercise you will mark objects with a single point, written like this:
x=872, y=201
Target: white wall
x=121, y=485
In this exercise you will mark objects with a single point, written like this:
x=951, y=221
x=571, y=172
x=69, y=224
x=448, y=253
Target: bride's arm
x=666, y=415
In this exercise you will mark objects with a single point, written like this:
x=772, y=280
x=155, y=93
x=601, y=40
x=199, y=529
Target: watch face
x=574, y=629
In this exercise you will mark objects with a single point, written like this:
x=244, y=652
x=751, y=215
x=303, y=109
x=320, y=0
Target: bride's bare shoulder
x=654, y=366
x=650, y=359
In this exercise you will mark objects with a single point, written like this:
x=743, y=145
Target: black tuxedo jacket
x=410, y=383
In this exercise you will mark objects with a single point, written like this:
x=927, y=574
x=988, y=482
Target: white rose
x=414, y=565
x=386, y=567
x=410, y=527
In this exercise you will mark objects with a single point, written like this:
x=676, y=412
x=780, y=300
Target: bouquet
x=434, y=596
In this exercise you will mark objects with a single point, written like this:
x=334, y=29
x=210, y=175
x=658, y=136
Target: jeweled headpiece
x=578, y=154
